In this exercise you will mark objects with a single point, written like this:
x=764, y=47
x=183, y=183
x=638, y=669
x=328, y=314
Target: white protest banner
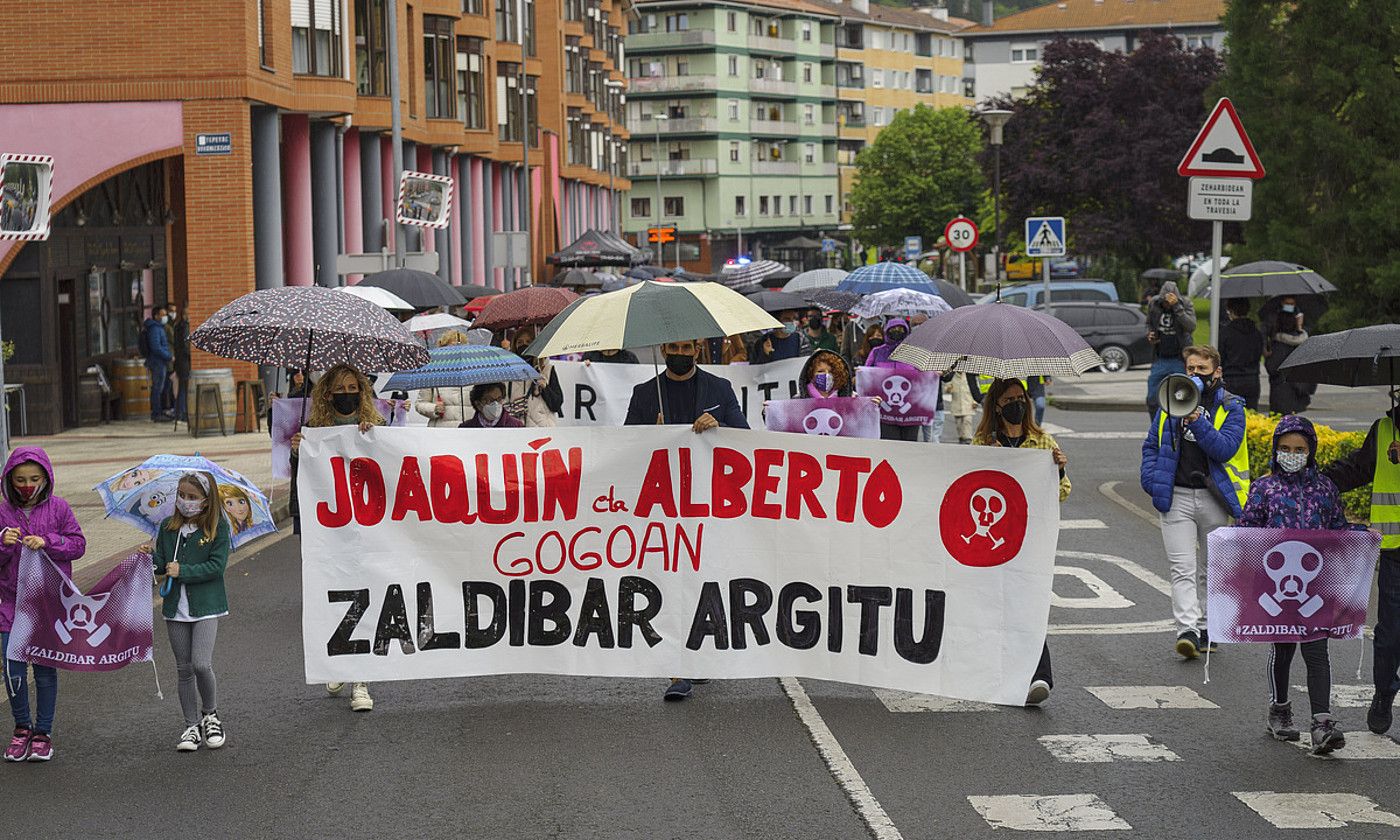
x=654, y=551
x=598, y=394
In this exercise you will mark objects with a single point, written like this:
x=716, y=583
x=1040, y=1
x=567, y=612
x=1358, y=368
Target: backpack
x=143, y=342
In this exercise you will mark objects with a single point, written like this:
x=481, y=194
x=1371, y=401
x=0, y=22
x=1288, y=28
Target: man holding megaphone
x=1195, y=465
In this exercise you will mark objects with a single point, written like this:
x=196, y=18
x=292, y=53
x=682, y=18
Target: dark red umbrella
x=530, y=305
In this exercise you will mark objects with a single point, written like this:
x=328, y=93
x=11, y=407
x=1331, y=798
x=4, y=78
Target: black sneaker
x=1378, y=717
x=1188, y=645
x=1281, y=722
x=190, y=739
x=1206, y=646
x=678, y=690
x=1326, y=737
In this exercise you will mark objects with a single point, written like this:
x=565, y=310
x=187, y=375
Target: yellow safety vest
x=1237, y=468
x=1385, y=488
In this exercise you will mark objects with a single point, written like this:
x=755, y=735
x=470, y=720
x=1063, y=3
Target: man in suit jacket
x=690, y=395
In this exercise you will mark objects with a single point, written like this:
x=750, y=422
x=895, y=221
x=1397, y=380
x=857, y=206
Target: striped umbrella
x=817, y=278
x=999, y=340
x=899, y=302
x=530, y=305
x=749, y=277
x=886, y=275
x=649, y=314
x=463, y=365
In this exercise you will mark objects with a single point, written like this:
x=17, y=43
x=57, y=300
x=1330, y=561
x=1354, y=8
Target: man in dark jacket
x=178, y=331
x=158, y=358
x=1377, y=463
x=1170, y=322
x=703, y=400
x=1241, y=348
x=786, y=343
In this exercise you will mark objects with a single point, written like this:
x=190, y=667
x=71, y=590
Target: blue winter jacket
x=1158, y=471
x=158, y=341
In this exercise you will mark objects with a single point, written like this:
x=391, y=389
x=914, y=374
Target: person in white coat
x=445, y=407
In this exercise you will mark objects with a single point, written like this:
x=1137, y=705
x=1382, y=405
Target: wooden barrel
x=134, y=385
x=90, y=398
x=208, y=418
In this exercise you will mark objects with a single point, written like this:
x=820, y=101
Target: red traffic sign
x=961, y=234
x=1221, y=148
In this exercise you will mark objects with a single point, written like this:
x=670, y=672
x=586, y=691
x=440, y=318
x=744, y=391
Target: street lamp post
x=996, y=118
x=657, y=120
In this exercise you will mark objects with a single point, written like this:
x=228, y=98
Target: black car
x=1116, y=330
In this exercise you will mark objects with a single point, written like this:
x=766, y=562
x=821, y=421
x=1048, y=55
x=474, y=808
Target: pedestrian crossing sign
x=1045, y=236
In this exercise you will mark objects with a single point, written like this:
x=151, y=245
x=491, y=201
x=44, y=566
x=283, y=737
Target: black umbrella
x=834, y=300
x=955, y=296
x=1351, y=358
x=1161, y=275
x=1269, y=278
x=472, y=291
x=1312, y=307
x=420, y=288
x=770, y=301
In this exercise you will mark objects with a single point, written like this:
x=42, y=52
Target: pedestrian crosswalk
x=1149, y=697
x=1102, y=749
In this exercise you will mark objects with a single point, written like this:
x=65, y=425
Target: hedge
x=1331, y=445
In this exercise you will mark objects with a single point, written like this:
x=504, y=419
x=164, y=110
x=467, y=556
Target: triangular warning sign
x=1221, y=148
x=1046, y=240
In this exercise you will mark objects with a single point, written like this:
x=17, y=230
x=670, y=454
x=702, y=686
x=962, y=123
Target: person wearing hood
x=1377, y=463
x=1241, y=348
x=786, y=343
x=1286, y=334
x=826, y=374
x=896, y=330
x=1296, y=495
x=1170, y=322
x=32, y=517
x=155, y=344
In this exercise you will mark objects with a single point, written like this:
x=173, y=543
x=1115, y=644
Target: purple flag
x=286, y=422
x=836, y=416
x=1284, y=585
x=908, y=397
x=103, y=630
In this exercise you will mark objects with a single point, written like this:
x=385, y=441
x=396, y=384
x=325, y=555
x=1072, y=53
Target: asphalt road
x=1157, y=752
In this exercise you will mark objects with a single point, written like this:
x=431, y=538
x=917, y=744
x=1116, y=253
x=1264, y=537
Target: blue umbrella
x=464, y=365
x=884, y=276
x=144, y=496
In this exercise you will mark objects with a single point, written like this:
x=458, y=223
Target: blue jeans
x=17, y=686
x=159, y=382
x=1161, y=369
x=1040, y=410
x=1387, y=644
x=933, y=432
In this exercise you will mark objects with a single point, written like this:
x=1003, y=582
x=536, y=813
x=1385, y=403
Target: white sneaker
x=360, y=701
x=1039, y=693
x=190, y=740
x=333, y=689
x=213, y=731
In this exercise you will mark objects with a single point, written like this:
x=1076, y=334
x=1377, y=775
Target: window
x=263, y=58
x=877, y=79
x=507, y=17
x=641, y=207
x=439, y=64
x=806, y=205
x=792, y=205
x=777, y=205
x=763, y=205
x=573, y=9
x=878, y=115
x=809, y=153
x=573, y=64
x=412, y=78
x=529, y=27
x=760, y=68
x=828, y=205
x=806, y=30
x=740, y=205
x=809, y=114
x=1024, y=54
x=1194, y=42
x=732, y=21
x=807, y=73
x=371, y=42
x=677, y=23
x=674, y=205
x=734, y=150
x=473, y=7
x=510, y=121
x=734, y=65
x=733, y=110
x=682, y=67
x=316, y=37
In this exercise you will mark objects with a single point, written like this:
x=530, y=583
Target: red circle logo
x=982, y=520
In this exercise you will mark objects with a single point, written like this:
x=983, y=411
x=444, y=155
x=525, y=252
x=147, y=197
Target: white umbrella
x=435, y=321
x=817, y=278
x=382, y=298
x=899, y=302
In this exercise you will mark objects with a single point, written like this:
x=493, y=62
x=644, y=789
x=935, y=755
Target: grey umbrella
x=1351, y=358
x=770, y=301
x=420, y=288
x=999, y=340
x=472, y=291
x=834, y=300
x=1269, y=278
x=955, y=296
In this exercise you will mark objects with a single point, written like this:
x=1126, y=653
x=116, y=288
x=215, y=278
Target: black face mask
x=1013, y=413
x=679, y=363
x=345, y=404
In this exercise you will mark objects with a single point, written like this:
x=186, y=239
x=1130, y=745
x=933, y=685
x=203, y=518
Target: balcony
x=673, y=168
x=823, y=169
x=858, y=83
x=670, y=84
x=660, y=41
x=765, y=44
x=693, y=125
x=773, y=87
x=780, y=127
x=827, y=91
x=775, y=167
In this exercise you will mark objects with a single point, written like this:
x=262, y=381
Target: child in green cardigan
x=192, y=551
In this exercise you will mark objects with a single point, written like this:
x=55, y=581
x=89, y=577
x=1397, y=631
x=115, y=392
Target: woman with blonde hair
x=238, y=508
x=445, y=407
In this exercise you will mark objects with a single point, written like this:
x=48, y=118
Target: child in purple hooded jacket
x=31, y=516
x=1296, y=495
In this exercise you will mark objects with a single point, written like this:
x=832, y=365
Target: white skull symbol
x=822, y=421
x=986, y=507
x=896, y=390
x=1292, y=565
x=82, y=613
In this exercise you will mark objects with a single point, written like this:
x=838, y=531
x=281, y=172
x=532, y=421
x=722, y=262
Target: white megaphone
x=1179, y=395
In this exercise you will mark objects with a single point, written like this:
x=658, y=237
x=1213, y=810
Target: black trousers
x=889, y=431
x=1042, y=669
x=1319, y=673
x=1245, y=387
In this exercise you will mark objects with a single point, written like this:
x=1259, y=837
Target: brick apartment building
x=145, y=210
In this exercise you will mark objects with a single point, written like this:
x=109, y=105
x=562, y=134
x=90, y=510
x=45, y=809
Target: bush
x=1331, y=445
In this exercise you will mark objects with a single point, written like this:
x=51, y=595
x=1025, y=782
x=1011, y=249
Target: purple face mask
x=822, y=381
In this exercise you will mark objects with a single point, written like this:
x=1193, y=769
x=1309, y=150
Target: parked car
x=1064, y=270
x=1117, y=331
x=1032, y=294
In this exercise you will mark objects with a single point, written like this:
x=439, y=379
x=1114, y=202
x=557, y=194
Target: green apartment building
x=735, y=105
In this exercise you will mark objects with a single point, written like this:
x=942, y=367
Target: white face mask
x=1291, y=461
x=491, y=411
x=190, y=508
x=165, y=319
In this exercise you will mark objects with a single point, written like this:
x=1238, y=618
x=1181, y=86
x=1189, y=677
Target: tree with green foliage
x=920, y=172
x=1317, y=85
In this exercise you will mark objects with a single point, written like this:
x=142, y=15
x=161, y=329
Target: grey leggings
x=192, y=642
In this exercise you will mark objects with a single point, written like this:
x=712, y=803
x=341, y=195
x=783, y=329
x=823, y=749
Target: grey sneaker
x=1281, y=722
x=1326, y=737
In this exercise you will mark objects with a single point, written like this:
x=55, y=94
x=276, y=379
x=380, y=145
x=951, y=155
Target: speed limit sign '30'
x=961, y=234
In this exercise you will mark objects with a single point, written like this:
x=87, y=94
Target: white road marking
x=1110, y=489
x=908, y=701
x=1082, y=525
x=1104, y=435
x=1315, y=810
x=867, y=806
x=1101, y=749
x=1127, y=628
x=1360, y=745
x=1150, y=578
x=1345, y=696
x=1101, y=596
x=1068, y=812
x=1056, y=429
x=1149, y=697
